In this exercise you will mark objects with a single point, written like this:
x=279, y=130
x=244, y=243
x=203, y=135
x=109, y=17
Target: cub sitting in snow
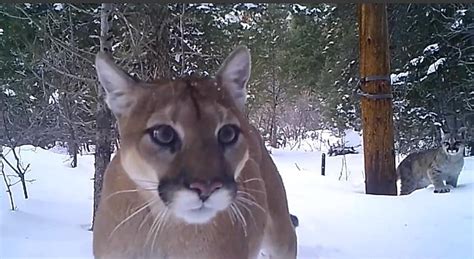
x=192, y=177
x=434, y=166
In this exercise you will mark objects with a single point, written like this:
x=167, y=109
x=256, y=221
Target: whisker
x=251, y=202
x=242, y=218
x=233, y=213
x=248, y=195
x=253, y=190
x=152, y=227
x=249, y=211
x=128, y=191
x=231, y=216
x=162, y=220
x=144, y=206
x=144, y=220
x=119, y=192
x=252, y=179
x=145, y=181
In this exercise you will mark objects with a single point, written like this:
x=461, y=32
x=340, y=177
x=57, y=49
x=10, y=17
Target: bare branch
x=90, y=80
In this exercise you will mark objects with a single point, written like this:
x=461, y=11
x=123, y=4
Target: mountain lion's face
x=190, y=142
x=453, y=142
x=184, y=141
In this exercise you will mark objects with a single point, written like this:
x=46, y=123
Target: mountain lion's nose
x=204, y=190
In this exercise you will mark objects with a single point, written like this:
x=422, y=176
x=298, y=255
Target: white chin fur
x=452, y=152
x=187, y=206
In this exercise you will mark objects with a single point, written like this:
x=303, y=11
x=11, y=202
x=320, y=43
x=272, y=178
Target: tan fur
x=126, y=228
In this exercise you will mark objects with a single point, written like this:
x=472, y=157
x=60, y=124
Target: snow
x=9, y=92
x=324, y=138
x=204, y=6
x=457, y=23
x=431, y=48
x=337, y=220
x=116, y=45
x=59, y=148
x=250, y=5
x=461, y=12
x=398, y=78
x=434, y=67
x=58, y=6
x=417, y=60
x=300, y=7
x=245, y=25
x=231, y=17
x=54, y=97
x=53, y=222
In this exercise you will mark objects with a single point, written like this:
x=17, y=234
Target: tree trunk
x=74, y=157
x=72, y=145
x=103, y=114
x=161, y=46
x=376, y=103
x=73, y=142
x=273, y=129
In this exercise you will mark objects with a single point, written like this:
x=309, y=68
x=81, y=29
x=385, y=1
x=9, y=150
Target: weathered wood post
x=376, y=100
x=323, y=164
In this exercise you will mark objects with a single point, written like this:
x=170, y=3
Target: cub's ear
x=235, y=73
x=118, y=85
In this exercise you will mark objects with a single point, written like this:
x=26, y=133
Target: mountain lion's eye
x=446, y=143
x=163, y=135
x=228, y=134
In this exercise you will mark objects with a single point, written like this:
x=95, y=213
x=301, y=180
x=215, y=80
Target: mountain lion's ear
x=235, y=73
x=441, y=132
x=118, y=85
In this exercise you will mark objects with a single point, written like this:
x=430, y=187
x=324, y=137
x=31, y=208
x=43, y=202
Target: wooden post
x=376, y=102
x=323, y=164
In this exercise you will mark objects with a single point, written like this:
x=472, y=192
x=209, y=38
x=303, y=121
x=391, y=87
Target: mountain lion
x=434, y=166
x=192, y=177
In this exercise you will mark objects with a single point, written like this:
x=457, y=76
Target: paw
x=442, y=189
x=453, y=185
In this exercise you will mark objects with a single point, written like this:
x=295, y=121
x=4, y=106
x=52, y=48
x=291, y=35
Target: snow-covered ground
x=54, y=221
x=337, y=220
